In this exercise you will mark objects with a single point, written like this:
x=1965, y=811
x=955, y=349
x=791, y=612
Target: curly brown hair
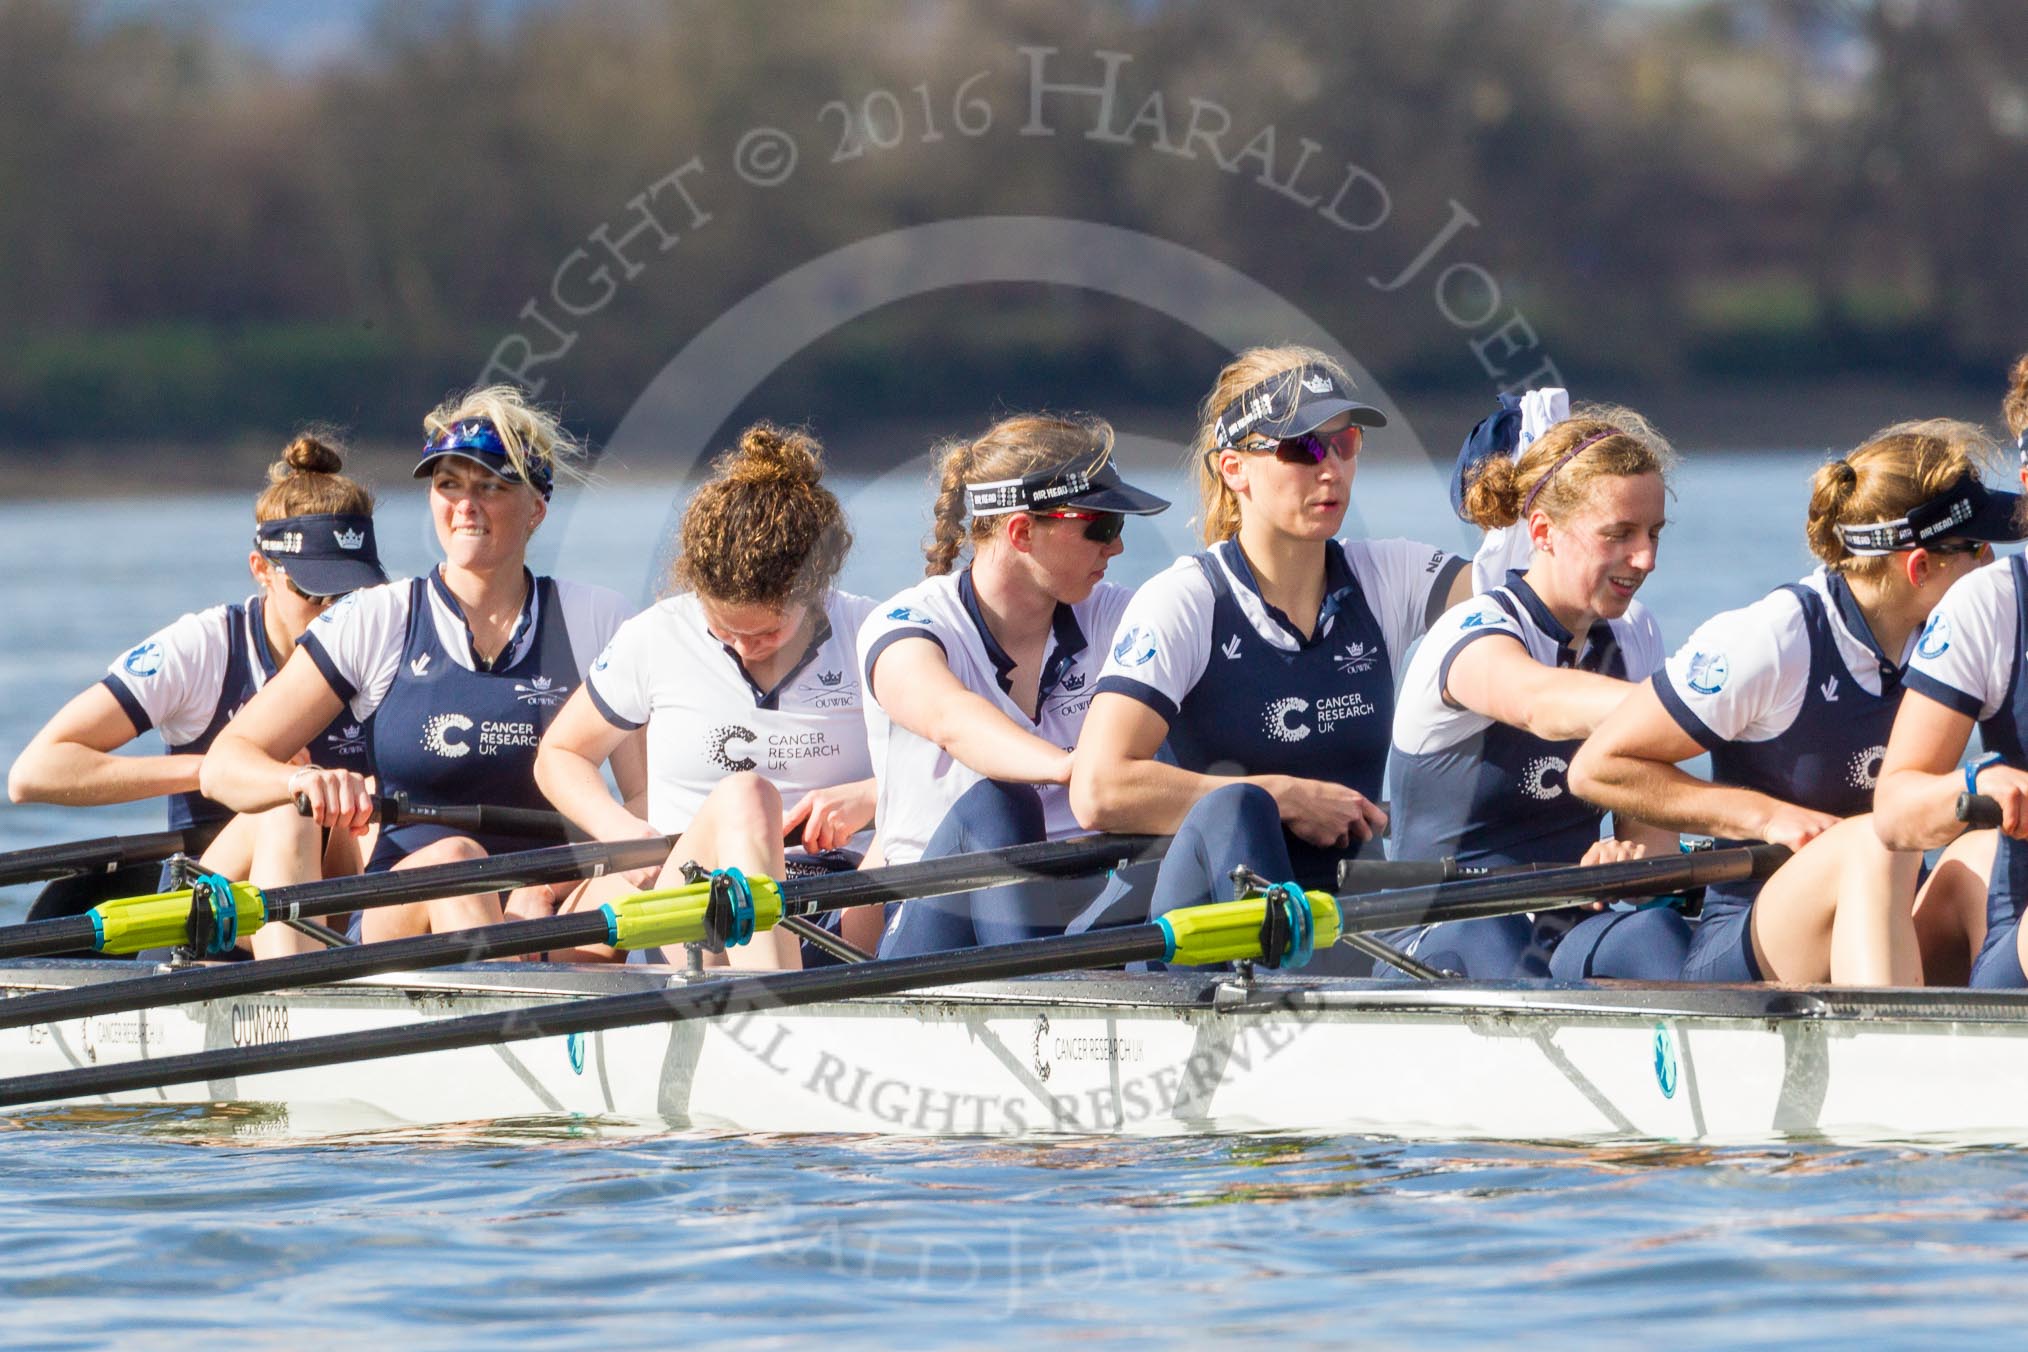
x=1621, y=444
x=764, y=530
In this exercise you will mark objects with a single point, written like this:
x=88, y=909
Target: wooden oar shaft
x=1505, y=893
x=707, y=999
x=43, y=862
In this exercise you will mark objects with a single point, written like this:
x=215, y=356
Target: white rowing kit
x=919, y=780
x=706, y=719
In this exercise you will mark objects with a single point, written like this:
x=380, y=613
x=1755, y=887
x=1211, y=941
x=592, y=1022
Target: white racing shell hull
x=1106, y=1054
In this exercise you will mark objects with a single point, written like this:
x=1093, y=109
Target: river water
x=189, y=1228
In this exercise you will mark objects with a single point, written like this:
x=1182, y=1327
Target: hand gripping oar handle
x=1978, y=811
x=394, y=809
x=1192, y=935
x=800, y=896
x=106, y=853
x=1548, y=889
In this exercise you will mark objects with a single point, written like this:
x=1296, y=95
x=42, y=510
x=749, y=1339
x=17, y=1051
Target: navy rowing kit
x=1245, y=690
x=1793, y=697
x=447, y=729
x=1969, y=658
x=188, y=679
x=1482, y=792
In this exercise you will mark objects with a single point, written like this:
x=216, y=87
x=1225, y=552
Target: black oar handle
x=392, y=809
x=1373, y=875
x=107, y=853
x=1505, y=894
x=1978, y=811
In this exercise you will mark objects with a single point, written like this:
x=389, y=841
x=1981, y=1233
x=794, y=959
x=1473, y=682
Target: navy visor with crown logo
x=326, y=554
x=1288, y=404
x=478, y=440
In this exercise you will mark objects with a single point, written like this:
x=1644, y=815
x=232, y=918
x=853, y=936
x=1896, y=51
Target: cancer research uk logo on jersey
x=449, y=736
x=1708, y=672
x=143, y=661
x=1135, y=648
x=1281, y=721
x=1936, y=638
x=735, y=748
x=1542, y=778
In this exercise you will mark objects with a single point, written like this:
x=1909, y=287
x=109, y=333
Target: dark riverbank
x=1825, y=415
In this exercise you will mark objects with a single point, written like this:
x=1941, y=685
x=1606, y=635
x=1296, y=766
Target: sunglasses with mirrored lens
x=1973, y=547
x=1311, y=447
x=1100, y=527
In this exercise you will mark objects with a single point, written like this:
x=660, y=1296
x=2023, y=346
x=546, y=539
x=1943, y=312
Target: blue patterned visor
x=479, y=441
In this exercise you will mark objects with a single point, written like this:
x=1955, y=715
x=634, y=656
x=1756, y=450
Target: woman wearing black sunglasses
x=461, y=670
x=1793, y=697
x=980, y=676
x=313, y=543
x=1266, y=663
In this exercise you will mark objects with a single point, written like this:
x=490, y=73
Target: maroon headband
x=1568, y=456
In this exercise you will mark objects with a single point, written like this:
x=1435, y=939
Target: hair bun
x=770, y=454
x=309, y=453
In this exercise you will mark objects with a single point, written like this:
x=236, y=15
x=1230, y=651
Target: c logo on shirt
x=1135, y=647
x=1863, y=770
x=1277, y=720
x=144, y=661
x=436, y=735
x=1542, y=778
x=1936, y=638
x=1708, y=672
x=719, y=747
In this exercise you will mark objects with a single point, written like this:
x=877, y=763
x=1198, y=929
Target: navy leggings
x=1234, y=825
x=988, y=816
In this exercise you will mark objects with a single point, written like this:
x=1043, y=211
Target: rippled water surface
x=192, y=1228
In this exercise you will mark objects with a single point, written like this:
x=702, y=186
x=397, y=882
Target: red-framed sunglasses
x=1099, y=527
x=1311, y=447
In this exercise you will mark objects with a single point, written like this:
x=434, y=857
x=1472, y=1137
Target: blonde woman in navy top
x=461, y=670
x=1266, y=663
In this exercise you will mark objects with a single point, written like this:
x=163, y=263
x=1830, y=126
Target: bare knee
x=450, y=850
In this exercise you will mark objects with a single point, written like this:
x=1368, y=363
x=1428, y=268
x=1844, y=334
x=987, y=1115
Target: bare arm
x=1116, y=783
x=914, y=685
x=1461, y=587
x=1915, y=802
x=1496, y=678
x=1629, y=766
x=70, y=761
x=248, y=768
x=578, y=741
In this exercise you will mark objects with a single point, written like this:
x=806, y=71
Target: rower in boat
x=980, y=676
x=1966, y=668
x=313, y=543
x=1267, y=661
x=1507, y=684
x=1793, y=697
x=745, y=682
x=460, y=670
